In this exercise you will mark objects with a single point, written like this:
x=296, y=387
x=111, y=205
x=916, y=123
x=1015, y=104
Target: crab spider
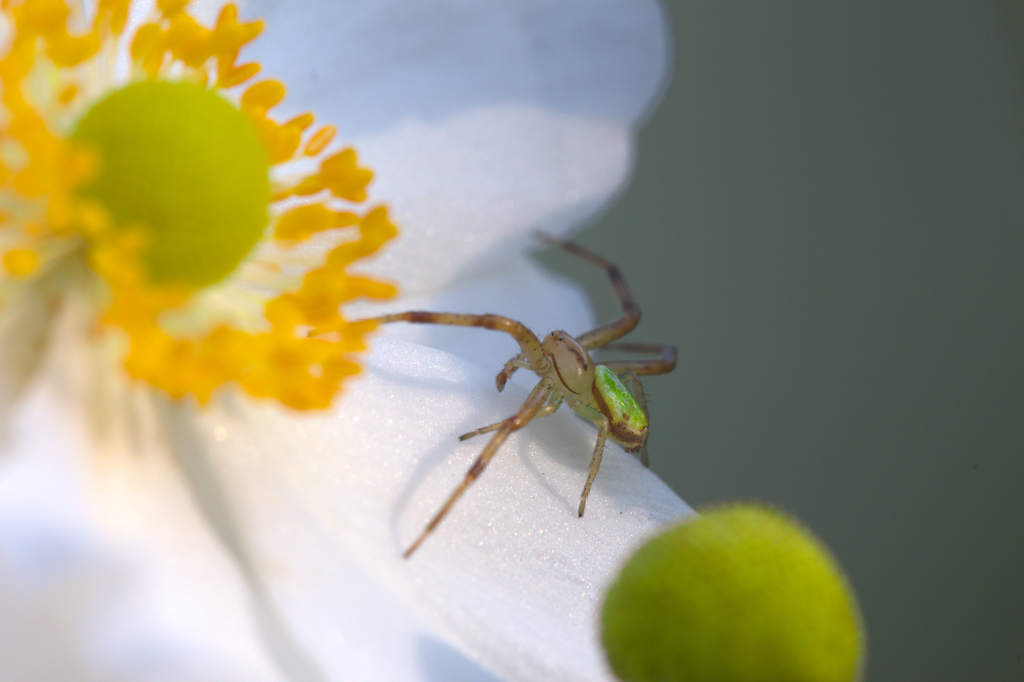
x=567, y=373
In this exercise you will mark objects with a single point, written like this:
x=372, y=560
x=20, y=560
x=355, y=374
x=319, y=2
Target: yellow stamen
x=68, y=94
x=21, y=262
x=303, y=222
x=320, y=140
x=125, y=203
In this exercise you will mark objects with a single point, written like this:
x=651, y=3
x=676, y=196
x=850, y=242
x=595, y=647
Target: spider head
x=570, y=362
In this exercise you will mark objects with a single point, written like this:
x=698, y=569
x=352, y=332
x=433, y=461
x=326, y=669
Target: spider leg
x=662, y=365
x=553, y=404
x=526, y=339
x=508, y=370
x=528, y=411
x=611, y=331
x=603, y=427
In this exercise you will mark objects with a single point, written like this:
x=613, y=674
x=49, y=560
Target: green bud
x=741, y=593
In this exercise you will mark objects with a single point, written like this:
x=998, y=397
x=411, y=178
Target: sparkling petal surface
x=243, y=539
x=512, y=577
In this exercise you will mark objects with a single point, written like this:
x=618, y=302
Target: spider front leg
x=550, y=408
x=526, y=413
x=533, y=356
x=509, y=369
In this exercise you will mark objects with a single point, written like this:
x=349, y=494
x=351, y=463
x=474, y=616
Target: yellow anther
x=67, y=94
x=169, y=8
x=78, y=166
x=228, y=38
x=117, y=258
x=67, y=51
x=42, y=172
x=40, y=17
x=284, y=311
x=319, y=141
x=112, y=13
x=91, y=218
x=59, y=215
x=301, y=223
x=343, y=177
x=279, y=141
x=148, y=48
x=147, y=37
x=300, y=122
x=364, y=287
x=375, y=229
x=262, y=96
x=188, y=41
x=21, y=262
x=236, y=75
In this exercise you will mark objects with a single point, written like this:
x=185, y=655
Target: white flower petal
x=293, y=551
x=483, y=121
x=330, y=502
x=107, y=572
x=512, y=577
x=24, y=325
x=371, y=65
x=469, y=190
x=280, y=556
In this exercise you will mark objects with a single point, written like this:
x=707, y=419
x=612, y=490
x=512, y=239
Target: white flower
x=147, y=539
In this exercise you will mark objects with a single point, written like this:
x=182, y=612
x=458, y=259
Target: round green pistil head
x=741, y=593
x=186, y=164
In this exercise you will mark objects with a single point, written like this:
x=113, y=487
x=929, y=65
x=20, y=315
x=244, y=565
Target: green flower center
x=190, y=167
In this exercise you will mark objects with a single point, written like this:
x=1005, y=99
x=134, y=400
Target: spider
x=567, y=373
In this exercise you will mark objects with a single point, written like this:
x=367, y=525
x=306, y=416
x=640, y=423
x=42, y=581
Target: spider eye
x=570, y=362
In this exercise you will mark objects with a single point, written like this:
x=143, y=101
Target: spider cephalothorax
x=567, y=373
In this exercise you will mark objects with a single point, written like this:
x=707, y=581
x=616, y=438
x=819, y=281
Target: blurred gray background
x=827, y=218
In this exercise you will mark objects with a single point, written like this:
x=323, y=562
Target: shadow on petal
x=192, y=455
x=442, y=663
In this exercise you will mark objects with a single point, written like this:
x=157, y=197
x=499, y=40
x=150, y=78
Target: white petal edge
x=373, y=64
x=483, y=121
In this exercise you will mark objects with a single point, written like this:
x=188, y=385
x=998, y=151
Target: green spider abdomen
x=626, y=419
